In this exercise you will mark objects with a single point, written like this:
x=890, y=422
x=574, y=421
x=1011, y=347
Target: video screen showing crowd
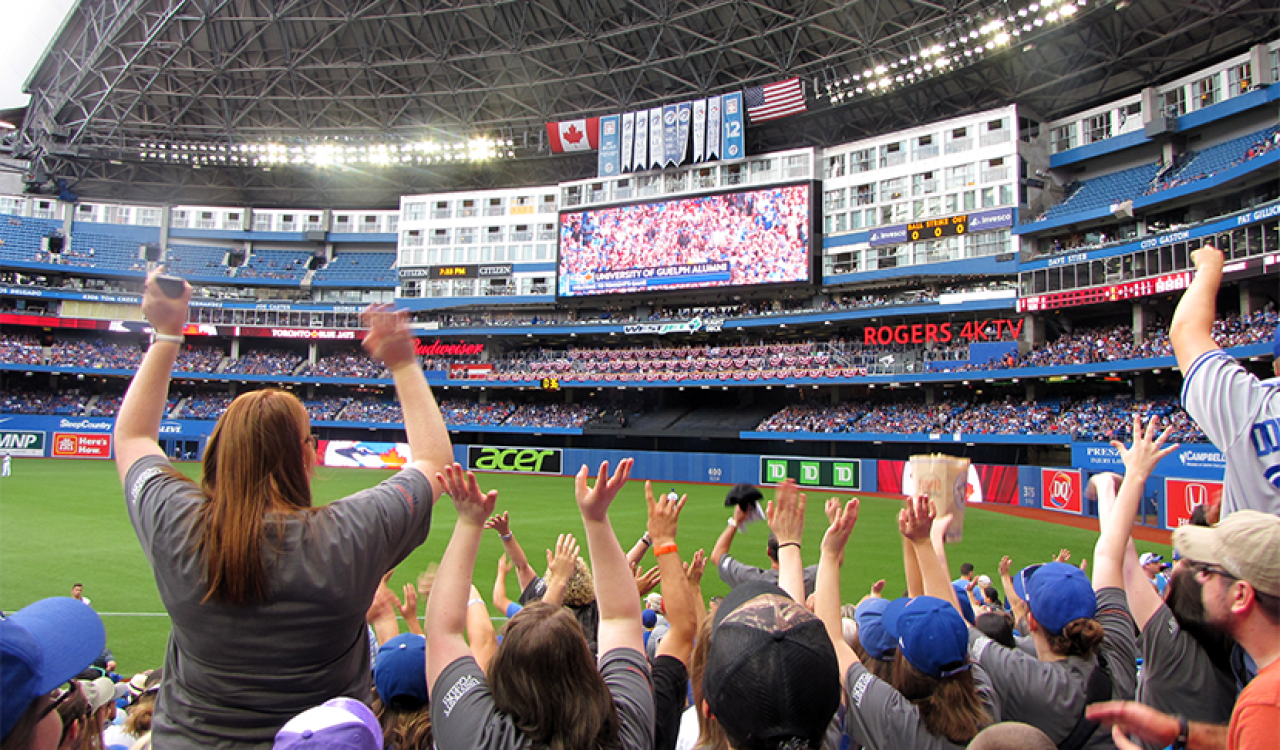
x=286, y=635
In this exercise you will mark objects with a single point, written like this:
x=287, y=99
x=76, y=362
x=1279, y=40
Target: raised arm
x=137, y=431
x=1139, y=460
x=1017, y=604
x=381, y=615
x=447, y=605
x=786, y=521
x=725, y=540
x=500, y=599
x=409, y=609
x=1144, y=600
x=1191, y=330
x=561, y=564
x=677, y=591
x=826, y=602
x=480, y=632
x=389, y=342
x=525, y=573
x=914, y=523
x=615, y=587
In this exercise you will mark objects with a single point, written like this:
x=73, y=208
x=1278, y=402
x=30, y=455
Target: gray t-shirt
x=235, y=674
x=1241, y=416
x=733, y=573
x=1051, y=695
x=1179, y=678
x=879, y=718
x=463, y=713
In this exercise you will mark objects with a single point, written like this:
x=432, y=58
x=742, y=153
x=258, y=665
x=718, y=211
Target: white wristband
x=475, y=601
x=170, y=337
x=734, y=523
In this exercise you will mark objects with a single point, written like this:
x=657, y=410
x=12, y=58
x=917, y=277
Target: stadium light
x=328, y=152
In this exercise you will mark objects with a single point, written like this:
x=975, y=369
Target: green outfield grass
x=64, y=521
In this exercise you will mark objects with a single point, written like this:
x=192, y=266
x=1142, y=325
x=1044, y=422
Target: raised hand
x=916, y=520
x=427, y=579
x=664, y=515
x=388, y=340
x=877, y=588
x=786, y=513
x=694, y=568
x=562, y=562
x=473, y=505
x=500, y=523
x=646, y=581
x=1147, y=449
x=1005, y=564
x=593, y=502
x=837, y=536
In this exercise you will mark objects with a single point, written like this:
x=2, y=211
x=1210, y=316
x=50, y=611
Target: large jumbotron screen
x=743, y=238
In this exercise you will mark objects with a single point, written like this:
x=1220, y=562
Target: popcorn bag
x=944, y=479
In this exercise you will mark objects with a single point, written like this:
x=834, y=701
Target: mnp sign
x=21, y=443
x=827, y=473
x=518, y=460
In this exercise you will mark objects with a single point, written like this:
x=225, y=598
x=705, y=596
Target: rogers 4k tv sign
x=823, y=473
x=1060, y=489
x=515, y=460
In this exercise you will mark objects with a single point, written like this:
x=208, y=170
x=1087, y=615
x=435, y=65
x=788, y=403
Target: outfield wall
x=1189, y=477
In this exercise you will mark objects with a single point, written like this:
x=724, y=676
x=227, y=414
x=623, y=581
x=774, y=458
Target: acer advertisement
x=1181, y=496
x=81, y=445
x=1060, y=489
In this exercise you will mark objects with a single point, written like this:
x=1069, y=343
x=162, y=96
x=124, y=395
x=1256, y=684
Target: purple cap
x=336, y=724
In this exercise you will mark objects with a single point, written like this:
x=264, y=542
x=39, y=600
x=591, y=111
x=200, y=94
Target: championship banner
x=734, y=138
x=656, y=153
x=610, y=157
x=1181, y=496
x=715, y=126
x=684, y=113
x=628, y=139
x=671, y=148
x=944, y=479
x=699, y=130
x=641, y=160
x=1060, y=489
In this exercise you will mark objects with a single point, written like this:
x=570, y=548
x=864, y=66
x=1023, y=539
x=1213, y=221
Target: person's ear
x=1242, y=598
x=1032, y=624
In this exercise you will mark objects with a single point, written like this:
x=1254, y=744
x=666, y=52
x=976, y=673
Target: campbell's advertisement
x=363, y=454
x=81, y=445
x=1060, y=489
x=1181, y=496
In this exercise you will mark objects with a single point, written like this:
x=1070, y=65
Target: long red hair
x=254, y=464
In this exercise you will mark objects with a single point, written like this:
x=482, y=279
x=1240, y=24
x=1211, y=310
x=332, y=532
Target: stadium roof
x=121, y=73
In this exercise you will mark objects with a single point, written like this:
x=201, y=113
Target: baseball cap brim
x=1200, y=543
x=70, y=635
x=743, y=593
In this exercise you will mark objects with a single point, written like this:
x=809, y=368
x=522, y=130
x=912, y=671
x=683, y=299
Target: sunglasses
x=71, y=704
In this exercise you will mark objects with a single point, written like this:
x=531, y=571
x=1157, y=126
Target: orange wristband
x=663, y=549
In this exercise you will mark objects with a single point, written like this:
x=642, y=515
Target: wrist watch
x=1184, y=734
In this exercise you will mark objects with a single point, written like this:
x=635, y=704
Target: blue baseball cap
x=931, y=634
x=871, y=631
x=42, y=646
x=400, y=672
x=1058, y=593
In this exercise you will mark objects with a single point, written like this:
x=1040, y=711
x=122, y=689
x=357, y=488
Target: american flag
x=774, y=100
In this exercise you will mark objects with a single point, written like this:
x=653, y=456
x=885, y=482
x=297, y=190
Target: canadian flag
x=574, y=135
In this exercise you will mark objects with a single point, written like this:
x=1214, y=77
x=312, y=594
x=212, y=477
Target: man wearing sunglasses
x=1236, y=564
x=42, y=647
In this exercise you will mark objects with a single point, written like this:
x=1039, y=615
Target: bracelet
x=505, y=537
x=647, y=540
x=789, y=544
x=1184, y=734
x=663, y=549
x=475, y=601
x=172, y=338
x=734, y=523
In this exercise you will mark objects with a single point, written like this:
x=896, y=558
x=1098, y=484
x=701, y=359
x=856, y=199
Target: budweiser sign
x=437, y=349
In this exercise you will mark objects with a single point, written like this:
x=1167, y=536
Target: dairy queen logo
x=1060, y=490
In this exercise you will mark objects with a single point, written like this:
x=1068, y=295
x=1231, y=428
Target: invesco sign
x=517, y=460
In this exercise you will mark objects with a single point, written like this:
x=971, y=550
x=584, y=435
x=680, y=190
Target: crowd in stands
x=279, y=362
x=345, y=365
x=21, y=350
x=1090, y=419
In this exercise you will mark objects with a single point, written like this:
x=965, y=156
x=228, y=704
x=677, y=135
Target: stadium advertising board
x=21, y=443
x=738, y=239
x=928, y=333
x=826, y=473
x=515, y=460
x=1181, y=496
x=81, y=445
x=363, y=454
x=1060, y=489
